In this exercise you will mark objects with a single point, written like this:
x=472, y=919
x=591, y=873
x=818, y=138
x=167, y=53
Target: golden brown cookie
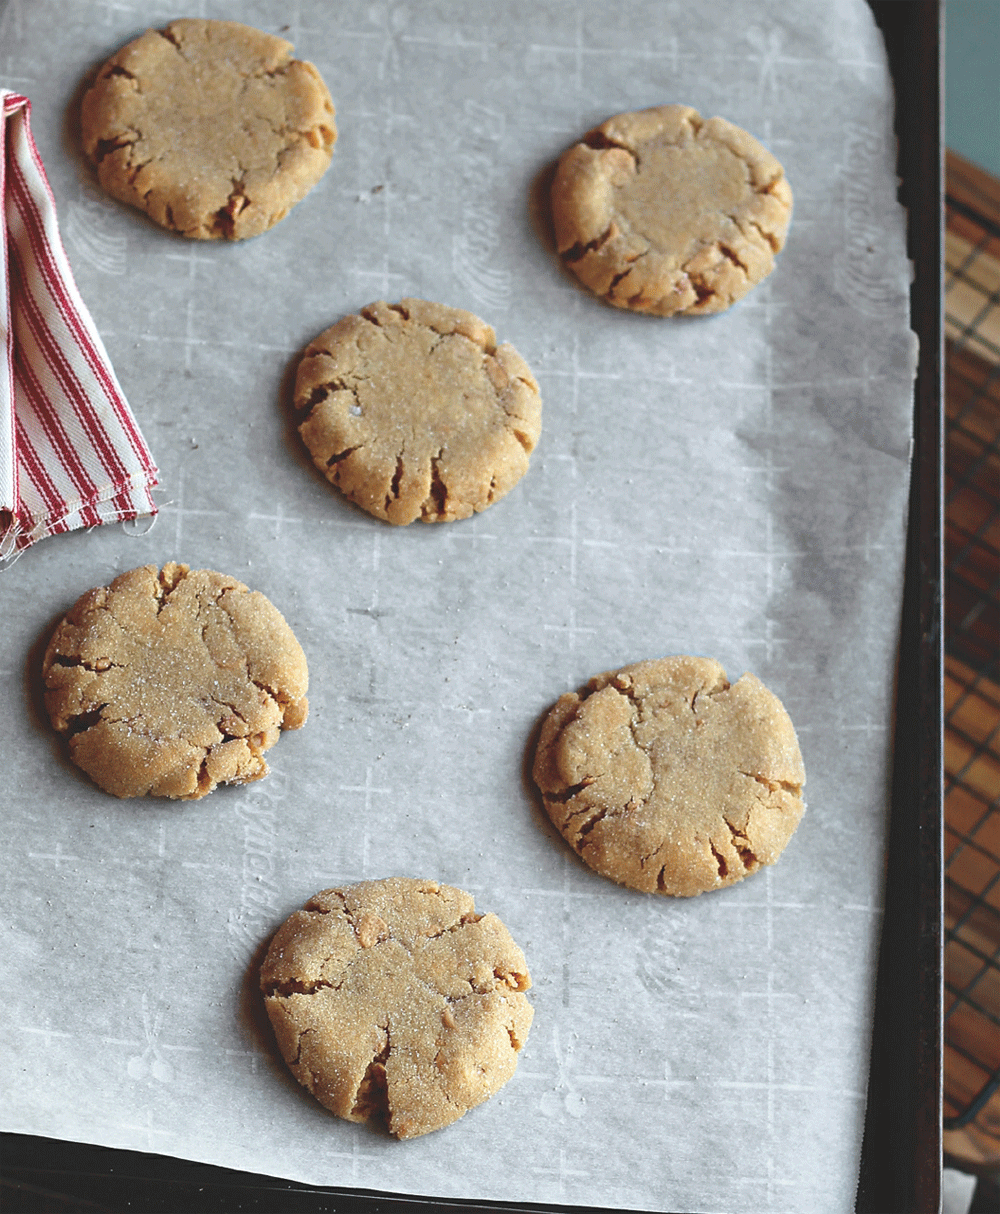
x=413, y=411
x=664, y=777
x=663, y=211
x=393, y=1000
x=211, y=127
x=172, y=682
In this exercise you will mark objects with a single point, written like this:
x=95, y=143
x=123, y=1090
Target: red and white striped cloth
x=71, y=454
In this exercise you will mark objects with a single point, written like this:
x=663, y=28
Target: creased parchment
x=732, y=486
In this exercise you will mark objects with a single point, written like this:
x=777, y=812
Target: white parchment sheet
x=732, y=486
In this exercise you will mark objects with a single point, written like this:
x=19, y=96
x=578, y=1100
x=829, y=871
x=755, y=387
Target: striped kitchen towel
x=71, y=454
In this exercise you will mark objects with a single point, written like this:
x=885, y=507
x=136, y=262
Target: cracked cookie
x=172, y=682
x=394, y=1001
x=666, y=778
x=210, y=127
x=414, y=412
x=662, y=211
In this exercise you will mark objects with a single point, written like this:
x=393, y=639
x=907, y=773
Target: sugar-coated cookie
x=414, y=412
x=394, y=1001
x=211, y=127
x=171, y=682
x=666, y=778
x=665, y=212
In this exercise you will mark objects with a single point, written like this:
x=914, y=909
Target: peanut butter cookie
x=665, y=212
x=414, y=412
x=210, y=127
x=393, y=1000
x=664, y=777
x=171, y=683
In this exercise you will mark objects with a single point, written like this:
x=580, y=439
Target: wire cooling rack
x=972, y=664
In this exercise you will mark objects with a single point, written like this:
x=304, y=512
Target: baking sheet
x=732, y=486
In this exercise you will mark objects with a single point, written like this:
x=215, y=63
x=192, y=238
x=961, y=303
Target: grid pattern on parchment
x=972, y=657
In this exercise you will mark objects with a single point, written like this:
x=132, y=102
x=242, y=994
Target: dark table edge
x=901, y=1155
x=901, y=1158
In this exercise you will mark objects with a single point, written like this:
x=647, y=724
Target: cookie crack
x=135, y=724
x=357, y=926
x=768, y=237
x=82, y=721
x=506, y=981
x=371, y=1100
x=105, y=147
x=323, y=390
x=588, y=826
x=116, y=69
x=717, y=689
x=288, y=137
x=134, y=169
x=562, y=796
x=695, y=122
x=274, y=694
x=338, y=457
x=298, y=1052
x=348, y=915
x=394, y=485
x=513, y=980
x=224, y=725
x=166, y=583
x=524, y=440
x=439, y=490
x=463, y=921
x=772, y=785
x=314, y=908
x=635, y=720
x=720, y=860
x=731, y=255
x=319, y=136
x=224, y=220
x=644, y=860
x=94, y=665
x=168, y=35
x=516, y=1043
x=272, y=73
x=524, y=383
x=768, y=186
x=578, y=251
x=296, y=986
x=598, y=141
x=742, y=845
x=701, y=289
x=624, y=686
x=618, y=278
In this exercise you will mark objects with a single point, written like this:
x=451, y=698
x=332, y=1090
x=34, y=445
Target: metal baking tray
x=900, y=1167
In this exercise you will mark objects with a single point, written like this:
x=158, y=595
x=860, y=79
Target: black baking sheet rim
x=901, y=1156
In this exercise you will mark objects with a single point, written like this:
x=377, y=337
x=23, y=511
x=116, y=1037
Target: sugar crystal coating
x=393, y=1000
x=171, y=682
x=665, y=212
x=211, y=127
x=414, y=412
x=665, y=777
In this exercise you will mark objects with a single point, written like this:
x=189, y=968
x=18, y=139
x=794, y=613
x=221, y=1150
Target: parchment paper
x=731, y=486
